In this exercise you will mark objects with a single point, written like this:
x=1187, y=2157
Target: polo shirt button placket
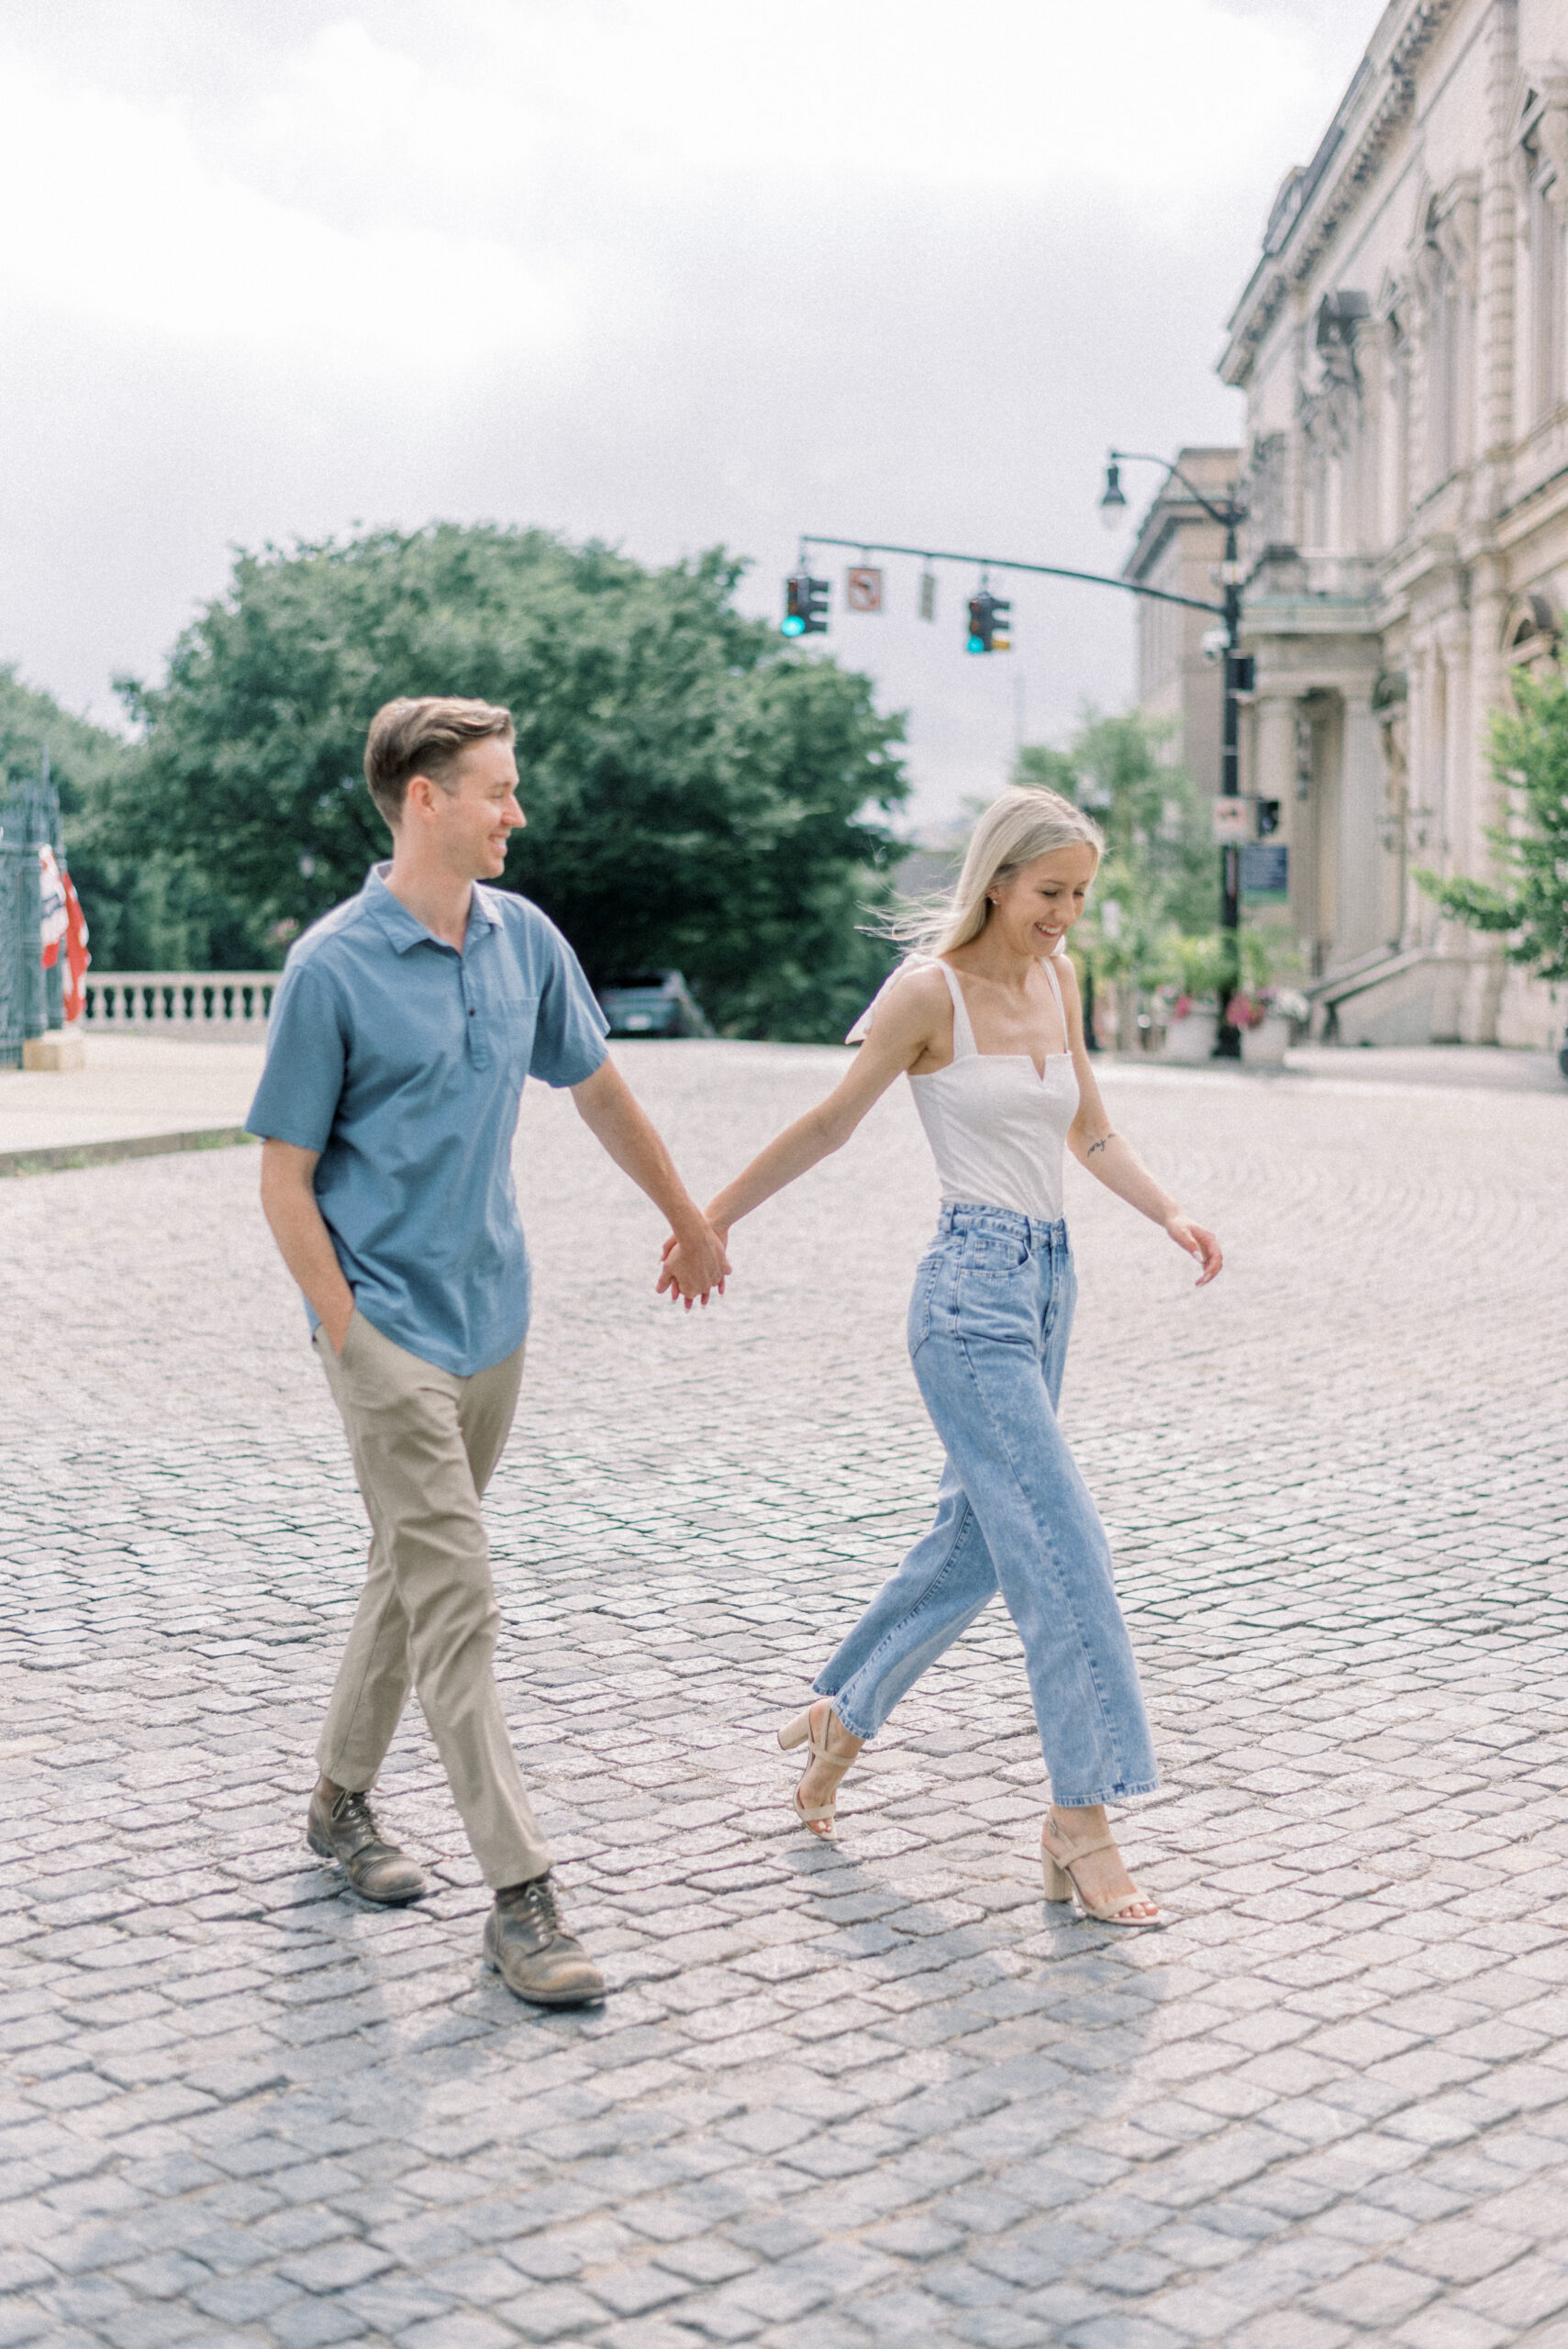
x=478, y=1056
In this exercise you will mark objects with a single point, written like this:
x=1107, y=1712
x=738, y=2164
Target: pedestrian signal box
x=806, y=606
x=990, y=623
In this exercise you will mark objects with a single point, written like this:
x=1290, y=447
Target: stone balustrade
x=194, y=1001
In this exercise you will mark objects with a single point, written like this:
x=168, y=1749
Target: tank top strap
x=1061, y=1008
x=964, y=1045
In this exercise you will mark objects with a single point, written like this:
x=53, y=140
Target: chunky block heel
x=1058, y=1858
x=798, y=1730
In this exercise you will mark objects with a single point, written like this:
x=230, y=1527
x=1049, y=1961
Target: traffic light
x=990, y=623
x=806, y=606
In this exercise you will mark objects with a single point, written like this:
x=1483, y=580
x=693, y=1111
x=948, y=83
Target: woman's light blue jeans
x=988, y=1328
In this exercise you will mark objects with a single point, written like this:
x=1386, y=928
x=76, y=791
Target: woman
x=987, y=1026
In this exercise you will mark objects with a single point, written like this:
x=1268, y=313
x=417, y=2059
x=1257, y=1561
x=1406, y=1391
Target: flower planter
x=1190, y=1038
x=1266, y=1045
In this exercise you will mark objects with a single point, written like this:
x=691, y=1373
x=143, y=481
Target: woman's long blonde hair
x=1014, y=831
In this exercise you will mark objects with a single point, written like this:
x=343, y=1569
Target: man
x=405, y=1024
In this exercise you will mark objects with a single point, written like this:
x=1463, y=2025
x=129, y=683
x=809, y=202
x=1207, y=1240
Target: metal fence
x=31, y=998
x=191, y=1002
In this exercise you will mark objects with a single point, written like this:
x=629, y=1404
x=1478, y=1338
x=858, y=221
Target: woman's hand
x=1197, y=1242
x=686, y=1269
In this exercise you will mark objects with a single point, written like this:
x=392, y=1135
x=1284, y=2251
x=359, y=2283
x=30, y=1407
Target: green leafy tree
x=698, y=794
x=1529, y=758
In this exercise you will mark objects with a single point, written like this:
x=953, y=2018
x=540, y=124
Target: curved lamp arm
x=1227, y=515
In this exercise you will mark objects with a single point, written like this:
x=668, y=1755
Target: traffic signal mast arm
x=1001, y=563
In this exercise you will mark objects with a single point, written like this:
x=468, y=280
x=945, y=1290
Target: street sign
x=1233, y=821
x=862, y=589
x=1265, y=869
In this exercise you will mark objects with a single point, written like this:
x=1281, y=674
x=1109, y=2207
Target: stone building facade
x=1402, y=346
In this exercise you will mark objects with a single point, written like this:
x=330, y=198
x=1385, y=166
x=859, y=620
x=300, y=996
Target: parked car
x=653, y=1003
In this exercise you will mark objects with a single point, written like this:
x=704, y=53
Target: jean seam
x=932, y=1585
x=1064, y=1580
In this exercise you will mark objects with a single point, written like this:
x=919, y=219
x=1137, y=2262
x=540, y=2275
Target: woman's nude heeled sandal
x=1061, y=1884
x=798, y=1730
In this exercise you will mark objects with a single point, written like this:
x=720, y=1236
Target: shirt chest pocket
x=504, y=1029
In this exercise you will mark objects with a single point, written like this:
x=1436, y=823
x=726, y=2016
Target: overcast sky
x=662, y=272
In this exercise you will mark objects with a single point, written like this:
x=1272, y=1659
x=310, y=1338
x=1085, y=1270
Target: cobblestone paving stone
x=867, y=2094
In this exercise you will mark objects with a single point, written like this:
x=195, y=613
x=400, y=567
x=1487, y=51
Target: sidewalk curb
x=65, y=1156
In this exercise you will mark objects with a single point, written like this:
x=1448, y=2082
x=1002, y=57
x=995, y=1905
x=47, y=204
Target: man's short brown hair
x=425, y=736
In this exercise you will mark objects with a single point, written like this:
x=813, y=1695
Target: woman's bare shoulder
x=913, y=999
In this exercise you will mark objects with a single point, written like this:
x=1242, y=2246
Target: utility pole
x=1229, y=808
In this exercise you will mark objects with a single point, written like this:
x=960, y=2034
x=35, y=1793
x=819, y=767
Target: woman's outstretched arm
x=913, y=1020
x=1096, y=1145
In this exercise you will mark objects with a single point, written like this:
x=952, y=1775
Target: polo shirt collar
x=399, y=925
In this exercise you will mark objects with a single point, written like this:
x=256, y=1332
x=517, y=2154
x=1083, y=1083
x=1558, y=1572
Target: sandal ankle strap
x=1075, y=1852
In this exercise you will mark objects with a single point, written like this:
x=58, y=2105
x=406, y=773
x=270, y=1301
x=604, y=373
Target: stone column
x=1478, y=797
x=1359, y=848
x=1496, y=259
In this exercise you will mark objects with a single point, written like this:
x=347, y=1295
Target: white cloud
x=1020, y=95
x=114, y=215
x=362, y=174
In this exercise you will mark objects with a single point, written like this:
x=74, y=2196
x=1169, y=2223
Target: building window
x=1544, y=229
x=1398, y=421
x=1541, y=180
x=1447, y=354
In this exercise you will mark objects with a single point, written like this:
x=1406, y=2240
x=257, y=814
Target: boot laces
x=536, y=1902
x=354, y=1810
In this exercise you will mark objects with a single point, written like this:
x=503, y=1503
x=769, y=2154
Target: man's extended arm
x=612, y=1115
x=288, y=1202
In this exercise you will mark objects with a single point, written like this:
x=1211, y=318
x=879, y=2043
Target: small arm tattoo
x=1100, y=1144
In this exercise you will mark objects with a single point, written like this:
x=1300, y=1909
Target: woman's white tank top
x=997, y=1128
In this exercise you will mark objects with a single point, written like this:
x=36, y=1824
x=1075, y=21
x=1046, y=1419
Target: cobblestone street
x=869, y=2093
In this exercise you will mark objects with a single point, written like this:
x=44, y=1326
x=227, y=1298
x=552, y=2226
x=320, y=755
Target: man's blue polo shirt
x=403, y=1062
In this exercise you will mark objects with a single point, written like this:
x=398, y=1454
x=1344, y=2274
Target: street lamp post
x=1230, y=516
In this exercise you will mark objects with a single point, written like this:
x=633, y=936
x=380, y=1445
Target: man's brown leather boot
x=527, y=1944
x=345, y=1830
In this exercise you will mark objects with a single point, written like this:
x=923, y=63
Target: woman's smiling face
x=1036, y=907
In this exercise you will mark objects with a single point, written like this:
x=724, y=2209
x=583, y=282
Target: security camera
x=1214, y=643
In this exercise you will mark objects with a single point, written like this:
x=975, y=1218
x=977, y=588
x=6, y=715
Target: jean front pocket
x=994, y=1254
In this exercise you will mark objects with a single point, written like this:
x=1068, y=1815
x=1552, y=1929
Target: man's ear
x=419, y=796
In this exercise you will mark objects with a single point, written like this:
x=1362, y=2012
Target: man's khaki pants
x=425, y=1443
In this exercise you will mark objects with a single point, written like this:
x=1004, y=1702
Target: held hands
x=694, y=1263
x=1197, y=1242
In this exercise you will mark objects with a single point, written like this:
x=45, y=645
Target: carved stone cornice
x=1308, y=216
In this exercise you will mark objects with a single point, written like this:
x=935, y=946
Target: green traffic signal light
x=989, y=623
x=806, y=606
